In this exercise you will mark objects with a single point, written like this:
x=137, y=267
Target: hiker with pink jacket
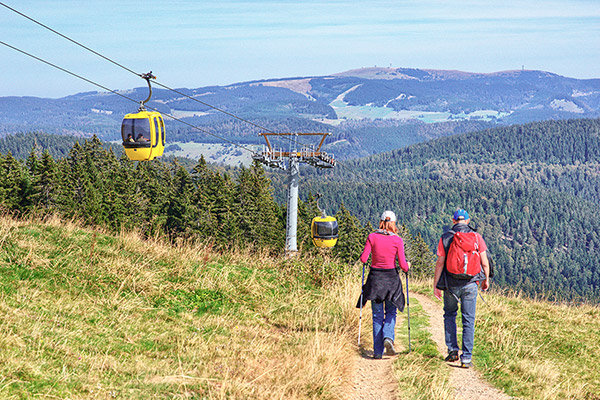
x=383, y=286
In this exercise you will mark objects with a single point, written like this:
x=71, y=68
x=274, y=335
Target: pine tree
x=421, y=258
x=180, y=210
x=43, y=196
x=260, y=218
x=15, y=186
x=352, y=236
x=205, y=223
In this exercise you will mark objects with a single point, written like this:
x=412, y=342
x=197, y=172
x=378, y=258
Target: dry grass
x=87, y=315
x=535, y=349
x=541, y=350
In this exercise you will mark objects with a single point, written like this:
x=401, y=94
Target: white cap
x=388, y=216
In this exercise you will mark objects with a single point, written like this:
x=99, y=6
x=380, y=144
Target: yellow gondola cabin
x=143, y=132
x=324, y=231
x=143, y=135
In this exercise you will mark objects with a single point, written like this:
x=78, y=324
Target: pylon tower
x=311, y=155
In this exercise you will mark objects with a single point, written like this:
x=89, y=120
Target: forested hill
x=561, y=155
x=543, y=243
x=554, y=142
x=532, y=190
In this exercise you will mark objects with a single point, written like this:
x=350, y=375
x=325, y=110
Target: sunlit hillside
x=88, y=315
x=85, y=314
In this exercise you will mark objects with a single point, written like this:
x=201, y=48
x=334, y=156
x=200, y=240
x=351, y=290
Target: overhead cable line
x=138, y=74
x=123, y=96
x=292, y=140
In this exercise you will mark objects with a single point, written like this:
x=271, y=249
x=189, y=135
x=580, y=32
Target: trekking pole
x=480, y=296
x=362, y=283
x=408, y=310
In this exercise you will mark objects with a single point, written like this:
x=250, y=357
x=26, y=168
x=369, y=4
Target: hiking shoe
x=466, y=364
x=377, y=356
x=452, y=356
x=389, y=347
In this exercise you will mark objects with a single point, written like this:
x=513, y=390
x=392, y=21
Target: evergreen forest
x=531, y=190
x=228, y=209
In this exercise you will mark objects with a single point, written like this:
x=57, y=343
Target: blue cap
x=460, y=214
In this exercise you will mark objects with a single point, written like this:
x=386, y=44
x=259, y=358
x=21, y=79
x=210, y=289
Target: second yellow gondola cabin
x=324, y=231
x=143, y=135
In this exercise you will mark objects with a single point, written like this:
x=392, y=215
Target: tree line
x=226, y=207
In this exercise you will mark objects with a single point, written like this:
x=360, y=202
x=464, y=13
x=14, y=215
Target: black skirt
x=383, y=285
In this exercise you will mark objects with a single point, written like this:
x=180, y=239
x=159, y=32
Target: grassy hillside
x=85, y=314
x=88, y=315
x=534, y=348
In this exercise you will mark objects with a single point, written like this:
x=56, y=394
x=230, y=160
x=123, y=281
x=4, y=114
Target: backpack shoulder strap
x=447, y=239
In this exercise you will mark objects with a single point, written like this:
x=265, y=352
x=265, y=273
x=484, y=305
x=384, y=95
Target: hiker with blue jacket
x=461, y=266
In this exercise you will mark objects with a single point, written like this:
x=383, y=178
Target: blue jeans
x=384, y=324
x=468, y=299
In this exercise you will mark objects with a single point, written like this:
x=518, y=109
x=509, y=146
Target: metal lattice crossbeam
x=309, y=155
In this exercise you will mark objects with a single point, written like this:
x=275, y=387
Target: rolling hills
x=367, y=110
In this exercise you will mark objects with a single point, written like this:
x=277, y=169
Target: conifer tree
x=205, y=223
x=15, y=185
x=227, y=211
x=180, y=209
x=352, y=236
x=72, y=182
x=44, y=184
x=420, y=256
x=260, y=218
x=117, y=190
x=306, y=212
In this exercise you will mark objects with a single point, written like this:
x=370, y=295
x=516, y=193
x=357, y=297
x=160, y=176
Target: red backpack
x=463, y=260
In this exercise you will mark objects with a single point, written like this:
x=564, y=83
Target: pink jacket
x=385, y=249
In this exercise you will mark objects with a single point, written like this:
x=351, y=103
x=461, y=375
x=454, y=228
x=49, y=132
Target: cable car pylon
x=276, y=159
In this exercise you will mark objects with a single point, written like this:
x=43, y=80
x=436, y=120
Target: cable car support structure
x=311, y=155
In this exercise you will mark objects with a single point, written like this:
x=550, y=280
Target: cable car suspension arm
x=147, y=76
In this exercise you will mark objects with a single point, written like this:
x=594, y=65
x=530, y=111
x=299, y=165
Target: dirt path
x=467, y=383
x=373, y=379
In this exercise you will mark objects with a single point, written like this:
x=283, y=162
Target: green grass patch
x=536, y=349
x=198, y=301
x=422, y=373
x=86, y=315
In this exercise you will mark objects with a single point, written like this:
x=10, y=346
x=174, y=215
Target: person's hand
x=485, y=285
x=438, y=293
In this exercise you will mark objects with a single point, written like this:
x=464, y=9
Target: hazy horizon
x=193, y=44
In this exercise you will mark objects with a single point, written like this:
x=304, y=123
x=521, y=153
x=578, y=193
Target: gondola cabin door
x=143, y=135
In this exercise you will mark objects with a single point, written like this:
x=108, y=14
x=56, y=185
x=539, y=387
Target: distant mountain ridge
x=374, y=101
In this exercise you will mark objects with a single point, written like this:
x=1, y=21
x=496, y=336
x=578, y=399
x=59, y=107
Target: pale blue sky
x=193, y=43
